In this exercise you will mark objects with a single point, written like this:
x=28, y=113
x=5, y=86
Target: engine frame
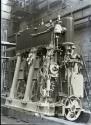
x=49, y=73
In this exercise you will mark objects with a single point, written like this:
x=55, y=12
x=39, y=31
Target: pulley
x=73, y=108
x=54, y=70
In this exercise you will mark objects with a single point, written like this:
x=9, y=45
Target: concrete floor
x=25, y=119
x=48, y=121
x=9, y=120
x=15, y=117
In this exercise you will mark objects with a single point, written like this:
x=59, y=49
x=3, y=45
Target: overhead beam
x=3, y=57
x=5, y=43
x=10, y=49
x=10, y=58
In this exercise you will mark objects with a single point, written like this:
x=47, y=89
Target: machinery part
x=30, y=58
x=54, y=70
x=69, y=24
x=77, y=80
x=58, y=29
x=52, y=67
x=43, y=92
x=73, y=108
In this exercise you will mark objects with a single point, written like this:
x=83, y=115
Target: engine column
x=16, y=74
x=30, y=75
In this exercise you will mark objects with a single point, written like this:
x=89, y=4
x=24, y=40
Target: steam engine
x=48, y=77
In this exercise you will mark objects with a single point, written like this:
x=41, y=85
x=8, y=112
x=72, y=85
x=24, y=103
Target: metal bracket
x=23, y=102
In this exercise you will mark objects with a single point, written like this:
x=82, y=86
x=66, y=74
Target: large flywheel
x=73, y=108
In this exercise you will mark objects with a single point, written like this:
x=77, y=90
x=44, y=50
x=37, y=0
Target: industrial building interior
x=36, y=34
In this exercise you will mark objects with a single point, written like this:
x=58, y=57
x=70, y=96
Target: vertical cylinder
x=15, y=78
x=48, y=86
x=69, y=24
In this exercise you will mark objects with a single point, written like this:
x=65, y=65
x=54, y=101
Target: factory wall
x=5, y=22
x=82, y=38
x=49, y=9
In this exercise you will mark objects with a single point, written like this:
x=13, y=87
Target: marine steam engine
x=48, y=75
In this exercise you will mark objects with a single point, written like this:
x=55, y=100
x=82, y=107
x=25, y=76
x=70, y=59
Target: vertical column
x=29, y=80
x=68, y=80
x=68, y=22
x=15, y=78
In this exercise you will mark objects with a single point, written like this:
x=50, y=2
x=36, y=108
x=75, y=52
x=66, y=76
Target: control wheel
x=73, y=108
